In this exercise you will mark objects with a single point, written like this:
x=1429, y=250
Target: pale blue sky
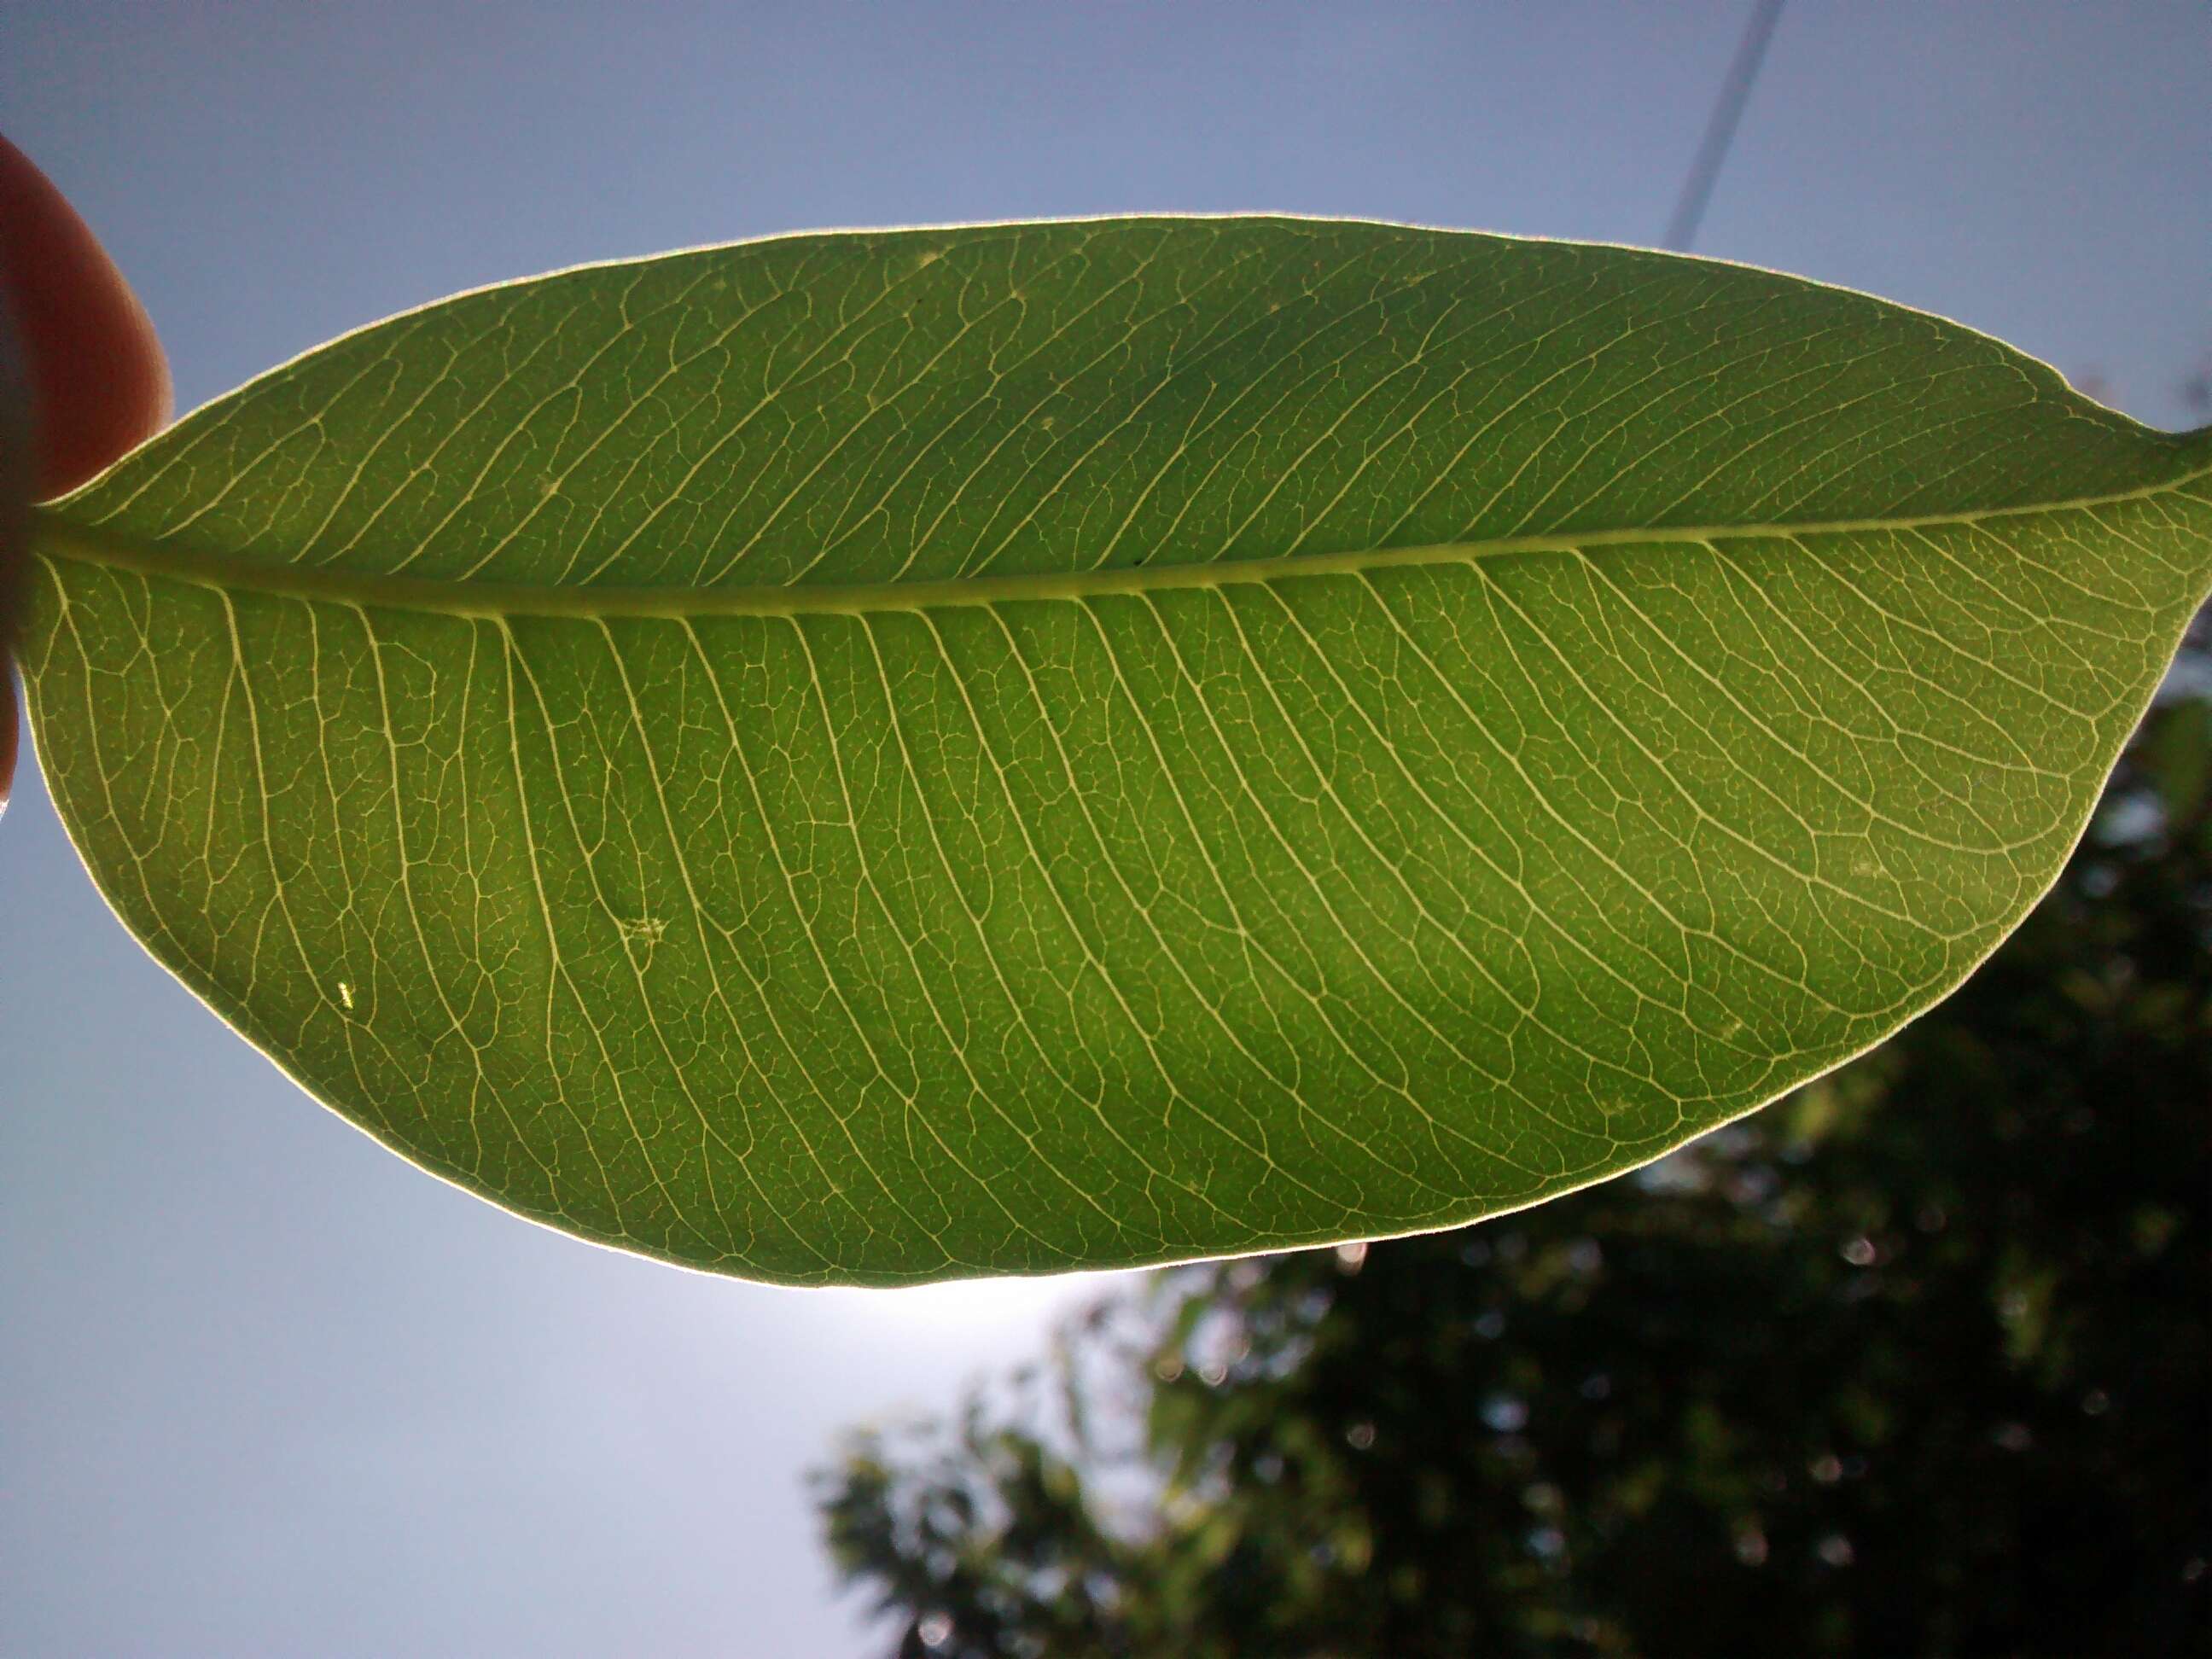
x=263, y=1388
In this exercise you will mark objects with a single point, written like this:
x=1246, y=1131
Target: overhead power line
x=1720, y=130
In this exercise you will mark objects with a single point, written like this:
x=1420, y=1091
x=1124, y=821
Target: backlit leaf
x=875, y=756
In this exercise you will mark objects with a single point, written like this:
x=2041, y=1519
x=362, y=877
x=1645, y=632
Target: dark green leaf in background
x=874, y=756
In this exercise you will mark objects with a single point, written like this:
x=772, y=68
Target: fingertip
x=98, y=380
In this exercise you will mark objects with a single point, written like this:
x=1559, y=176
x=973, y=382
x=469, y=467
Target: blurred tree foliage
x=1915, y=1362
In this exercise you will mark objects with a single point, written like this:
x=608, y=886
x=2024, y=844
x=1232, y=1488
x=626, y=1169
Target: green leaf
x=874, y=756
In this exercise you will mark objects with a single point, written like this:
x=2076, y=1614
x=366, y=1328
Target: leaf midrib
x=57, y=537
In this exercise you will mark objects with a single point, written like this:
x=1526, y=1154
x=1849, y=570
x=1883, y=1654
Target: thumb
x=82, y=380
